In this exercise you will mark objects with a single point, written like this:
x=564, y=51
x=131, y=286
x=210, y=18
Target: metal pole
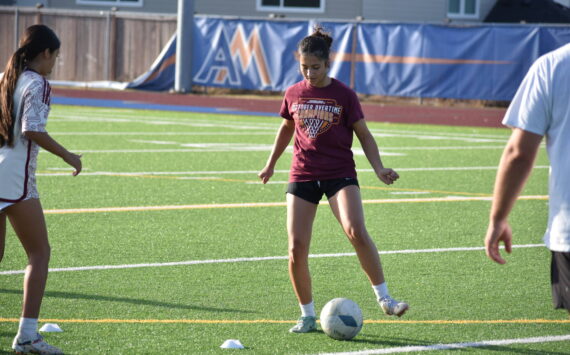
x=16, y=28
x=184, y=33
x=107, y=45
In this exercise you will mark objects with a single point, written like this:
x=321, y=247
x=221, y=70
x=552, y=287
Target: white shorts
x=5, y=204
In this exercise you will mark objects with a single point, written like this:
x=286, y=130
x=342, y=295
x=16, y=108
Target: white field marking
x=464, y=147
x=478, y=138
x=447, y=134
x=265, y=147
x=261, y=258
x=171, y=123
x=218, y=133
x=161, y=120
x=385, y=134
x=198, y=178
x=410, y=192
x=358, y=151
x=255, y=172
x=272, y=204
x=455, y=346
x=135, y=116
x=153, y=142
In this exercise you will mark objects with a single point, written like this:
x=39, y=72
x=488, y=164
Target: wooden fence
x=96, y=45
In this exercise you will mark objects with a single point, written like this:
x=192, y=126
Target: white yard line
x=263, y=258
x=217, y=133
x=223, y=147
x=254, y=172
x=456, y=346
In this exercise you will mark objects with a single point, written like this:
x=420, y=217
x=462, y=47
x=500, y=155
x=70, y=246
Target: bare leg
x=27, y=219
x=347, y=208
x=2, y=234
x=300, y=217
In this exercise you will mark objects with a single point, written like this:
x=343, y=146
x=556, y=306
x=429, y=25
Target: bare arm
x=44, y=140
x=387, y=175
x=514, y=169
x=282, y=140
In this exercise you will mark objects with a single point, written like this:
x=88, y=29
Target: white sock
x=28, y=329
x=381, y=290
x=308, y=310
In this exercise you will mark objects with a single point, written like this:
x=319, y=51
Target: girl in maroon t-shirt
x=322, y=113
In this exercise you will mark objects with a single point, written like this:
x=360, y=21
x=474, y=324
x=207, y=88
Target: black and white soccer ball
x=341, y=319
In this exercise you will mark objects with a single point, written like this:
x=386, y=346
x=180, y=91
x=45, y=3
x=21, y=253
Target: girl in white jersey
x=24, y=107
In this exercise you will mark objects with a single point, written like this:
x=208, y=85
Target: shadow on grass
x=138, y=302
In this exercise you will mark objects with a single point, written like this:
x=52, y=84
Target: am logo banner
x=484, y=62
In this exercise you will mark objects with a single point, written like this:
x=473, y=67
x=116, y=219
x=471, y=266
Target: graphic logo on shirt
x=232, y=55
x=317, y=115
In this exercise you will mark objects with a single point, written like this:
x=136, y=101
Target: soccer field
x=168, y=244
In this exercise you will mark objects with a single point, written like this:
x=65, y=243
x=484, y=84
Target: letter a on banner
x=229, y=60
x=218, y=67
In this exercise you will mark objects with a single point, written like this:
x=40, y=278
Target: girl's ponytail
x=36, y=39
x=8, y=83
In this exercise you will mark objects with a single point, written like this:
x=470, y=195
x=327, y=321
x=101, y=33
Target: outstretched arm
x=370, y=148
x=282, y=140
x=44, y=140
x=514, y=170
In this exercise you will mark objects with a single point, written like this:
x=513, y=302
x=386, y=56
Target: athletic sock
x=28, y=329
x=308, y=310
x=381, y=290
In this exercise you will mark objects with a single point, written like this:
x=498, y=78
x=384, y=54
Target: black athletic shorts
x=560, y=279
x=313, y=191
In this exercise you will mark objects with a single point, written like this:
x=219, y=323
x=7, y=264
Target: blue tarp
x=485, y=62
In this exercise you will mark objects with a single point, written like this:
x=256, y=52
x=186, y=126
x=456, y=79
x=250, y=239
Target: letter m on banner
x=229, y=60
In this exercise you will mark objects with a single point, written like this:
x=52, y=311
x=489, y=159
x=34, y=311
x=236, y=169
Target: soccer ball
x=341, y=319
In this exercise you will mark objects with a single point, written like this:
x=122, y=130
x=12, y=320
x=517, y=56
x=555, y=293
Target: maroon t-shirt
x=323, y=130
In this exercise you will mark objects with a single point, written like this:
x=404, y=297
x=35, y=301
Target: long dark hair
x=36, y=39
x=318, y=44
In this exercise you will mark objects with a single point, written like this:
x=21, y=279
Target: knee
x=357, y=235
x=40, y=255
x=298, y=250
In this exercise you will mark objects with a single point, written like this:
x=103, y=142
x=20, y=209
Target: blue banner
x=485, y=62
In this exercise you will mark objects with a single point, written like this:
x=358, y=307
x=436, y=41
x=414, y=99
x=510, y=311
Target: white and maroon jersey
x=18, y=163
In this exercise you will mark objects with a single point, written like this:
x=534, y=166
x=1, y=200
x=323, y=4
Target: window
x=131, y=3
x=468, y=9
x=291, y=5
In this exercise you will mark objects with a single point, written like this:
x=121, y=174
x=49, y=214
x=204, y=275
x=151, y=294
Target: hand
x=75, y=161
x=496, y=233
x=265, y=174
x=388, y=176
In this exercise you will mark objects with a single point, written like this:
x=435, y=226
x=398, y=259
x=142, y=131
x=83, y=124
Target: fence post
x=39, y=13
x=112, y=63
x=184, y=33
x=353, y=54
x=16, y=28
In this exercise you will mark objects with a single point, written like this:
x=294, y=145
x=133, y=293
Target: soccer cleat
x=36, y=346
x=392, y=307
x=305, y=325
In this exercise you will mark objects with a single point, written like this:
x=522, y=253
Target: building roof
x=528, y=11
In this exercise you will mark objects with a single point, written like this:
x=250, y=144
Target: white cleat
x=392, y=307
x=36, y=346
